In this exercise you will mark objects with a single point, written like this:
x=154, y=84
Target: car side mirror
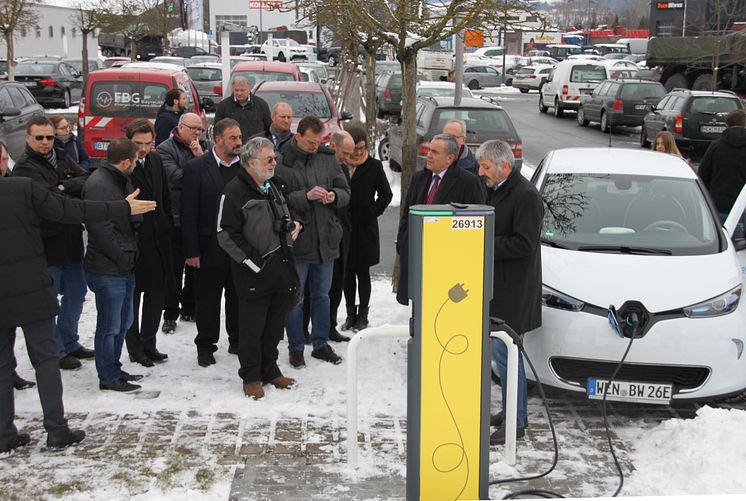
x=208, y=104
x=345, y=115
x=10, y=112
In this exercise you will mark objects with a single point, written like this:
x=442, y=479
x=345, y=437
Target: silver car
x=205, y=77
x=479, y=76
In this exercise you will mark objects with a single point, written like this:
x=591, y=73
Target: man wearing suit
x=442, y=182
x=202, y=184
x=153, y=269
x=516, y=295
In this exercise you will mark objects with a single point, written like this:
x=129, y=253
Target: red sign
x=670, y=5
x=265, y=4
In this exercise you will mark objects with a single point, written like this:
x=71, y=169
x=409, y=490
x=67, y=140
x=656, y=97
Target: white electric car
x=636, y=230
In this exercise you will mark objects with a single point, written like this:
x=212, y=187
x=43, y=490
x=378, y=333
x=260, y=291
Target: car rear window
x=481, y=120
x=127, y=99
x=254, y=77
x=526, y=71
x=303, y=103
x=34, y=69
x=642, y=91
x=587, y=74
x=204, y=74
x=713, y=104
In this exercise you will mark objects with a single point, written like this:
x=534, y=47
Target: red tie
x=434, y=188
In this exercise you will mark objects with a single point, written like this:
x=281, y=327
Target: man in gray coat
x=316, y=187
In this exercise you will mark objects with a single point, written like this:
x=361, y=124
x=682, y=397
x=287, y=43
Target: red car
x=306, y=98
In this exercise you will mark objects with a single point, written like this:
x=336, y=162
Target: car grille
x=576, y=371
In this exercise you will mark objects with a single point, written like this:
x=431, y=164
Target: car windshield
x=642, y=91
x=587, y=73
x=486, y=121
x=303, y=103
x=127, y=99
x=204, y=74
x=713, y=104
x=34, y=69
x=3, y=66
x=254, y=77
x=442, y=91
x=625, y=213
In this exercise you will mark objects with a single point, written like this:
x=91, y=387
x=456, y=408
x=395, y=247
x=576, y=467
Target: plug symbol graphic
x=457, y=293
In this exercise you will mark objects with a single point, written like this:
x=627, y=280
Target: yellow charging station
x=448, y=399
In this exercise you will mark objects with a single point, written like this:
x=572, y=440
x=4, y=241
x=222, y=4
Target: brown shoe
x=297, y=360
x=282, y=382
x=253, y=390
x=327, y=355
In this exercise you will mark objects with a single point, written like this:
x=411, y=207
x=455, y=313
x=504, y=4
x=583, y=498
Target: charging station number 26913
x=467, y=223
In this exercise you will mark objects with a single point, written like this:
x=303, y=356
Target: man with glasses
x=257, y=231
x=465, y=159
x=316, y=188
x=63, y=243
x=153, y=270
x=185, y=144
x=204, y=180
x=250, y=111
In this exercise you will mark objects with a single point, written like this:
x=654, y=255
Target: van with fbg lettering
x=115, y=97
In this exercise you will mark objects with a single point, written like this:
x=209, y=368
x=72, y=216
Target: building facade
x=266, y=15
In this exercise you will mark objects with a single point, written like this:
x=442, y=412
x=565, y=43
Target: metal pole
x=459, y=69
x=511, y=406
x=225, y=58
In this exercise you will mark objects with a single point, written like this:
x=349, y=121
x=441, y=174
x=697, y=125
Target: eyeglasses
x=360, y=148
x=42, y=138
x=271, y=160
x=192, y=127
x=143, y=145
x=65, y=127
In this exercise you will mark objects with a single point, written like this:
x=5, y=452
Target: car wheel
x=558, y=111
x=676, y=81
x=542, y=108
x=523, y=91
x=644, y=143
x=66, y=100
x=383, y=150
x=509, y=82
x=332, y=61
x=605, y=127
x=281, y=57
x=473, y=85
x=704, y=82
x=581, y=117
x=394, y=166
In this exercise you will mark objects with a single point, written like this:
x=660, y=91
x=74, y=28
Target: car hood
x=660, y=282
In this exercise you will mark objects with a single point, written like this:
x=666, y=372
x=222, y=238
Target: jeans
x=500, y=356
x=114, y=296
x=319, y=276
x=69, y=281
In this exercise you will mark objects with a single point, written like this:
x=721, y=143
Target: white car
x=287, y=49
x=636, y=230
x=437, y=89
x=531, y=77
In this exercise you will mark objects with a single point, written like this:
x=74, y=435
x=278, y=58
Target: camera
x=283, y=225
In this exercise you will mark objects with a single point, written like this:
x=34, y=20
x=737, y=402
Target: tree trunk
x=133, y=49
x=9, y=53
x=370, y=92
x=85, y=56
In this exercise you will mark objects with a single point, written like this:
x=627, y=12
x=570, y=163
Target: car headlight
x=720, y=305
x=555, y=299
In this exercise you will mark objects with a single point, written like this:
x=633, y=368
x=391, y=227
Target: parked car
x=619, y=68
x=210, y=58
x=636, y=230
x=52, y=83
x=491, y=52
x=389, y=94
x=478, y=77
x=4, y=69
x=287, y=49
x=483, y=117
x=694, y=117
x=619, y=102
x=317, y=67
x=334, y=55
x=561, y=51
x=205, y=77
x=110, y=62
x=187, y=52
x=306, y=98
x=534, y=61
x=178, y=61
x=17, y=107
x=247, y=58
x=387, y=67
x=258, y=71
x=115, y=97
x=615, y=55
x=531, y=77
x=440, y=89
x=568, y=82
x=93, y=64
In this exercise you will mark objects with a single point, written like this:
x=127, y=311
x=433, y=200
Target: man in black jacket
x=440, y=183
x=110, y=264
x=28, y=299
x=723, y=168
x=279, y=130
x=153, y=270
x=257, y=231
x=204, y=180
x=168, y=115
x=63, y=243
x=250, y=111
x=516, y=286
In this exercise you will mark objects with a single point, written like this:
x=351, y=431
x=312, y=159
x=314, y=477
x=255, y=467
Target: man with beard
x=174, y=105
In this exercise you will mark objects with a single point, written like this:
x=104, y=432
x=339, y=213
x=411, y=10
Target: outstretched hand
x=139, y=206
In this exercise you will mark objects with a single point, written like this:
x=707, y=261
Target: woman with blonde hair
x=665, y=143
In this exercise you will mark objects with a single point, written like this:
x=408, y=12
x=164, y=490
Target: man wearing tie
x=442, y=182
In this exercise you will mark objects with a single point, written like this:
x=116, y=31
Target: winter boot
x=351, y=318
x=362, y=319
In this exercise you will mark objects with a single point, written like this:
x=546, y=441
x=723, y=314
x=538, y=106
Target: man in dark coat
x=174, y=105
x=153, y=270
x=204, y=180
x=251, y=112
x=28, y=298
x=110, y=265
x=465, y=158
x=723, y=168
x=279, y=130
x=439, y=183
x=63, y=243
x=516, y=289
x=256, y=230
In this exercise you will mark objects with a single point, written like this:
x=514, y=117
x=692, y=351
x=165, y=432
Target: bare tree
x=127, y=17
x=14, y=15
x=162, y=17
x=87, y=17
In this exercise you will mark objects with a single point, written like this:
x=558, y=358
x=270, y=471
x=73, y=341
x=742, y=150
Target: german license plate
x=29, y=84
x=586, y=91
x=102, y=146
x=641, y=106
x=629, y=391
x=711, y=129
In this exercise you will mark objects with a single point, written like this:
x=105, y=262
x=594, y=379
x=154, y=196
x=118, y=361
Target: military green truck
x=690, y=62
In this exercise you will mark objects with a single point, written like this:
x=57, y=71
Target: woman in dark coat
x=66, y=140
x=370, y=195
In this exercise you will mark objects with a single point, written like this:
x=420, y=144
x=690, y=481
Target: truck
x=435, y=60
x=690, y=62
